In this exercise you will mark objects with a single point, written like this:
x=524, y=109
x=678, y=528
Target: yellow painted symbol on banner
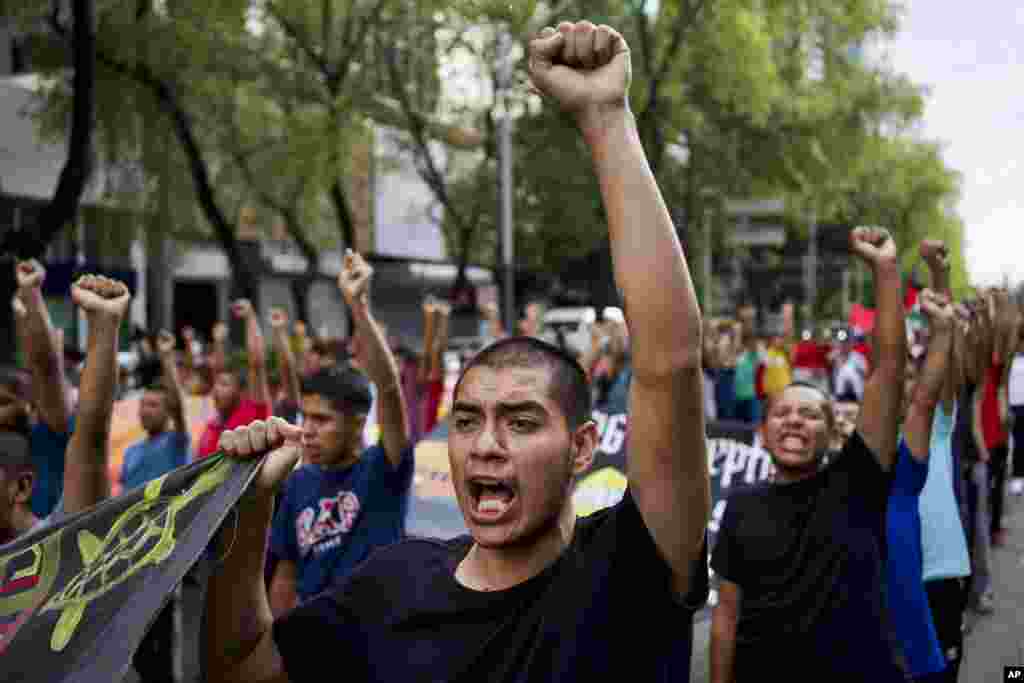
x=142, y=535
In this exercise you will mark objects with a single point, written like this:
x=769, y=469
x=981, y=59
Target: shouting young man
x=533, y=593
x=802, y=559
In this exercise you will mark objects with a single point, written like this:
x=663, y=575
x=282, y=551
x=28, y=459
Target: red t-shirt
x=809, y=355
x=992, y=429
x=246, y=412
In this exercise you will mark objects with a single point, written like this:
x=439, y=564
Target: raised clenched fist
x=584, y=68
x=99, y=295
x=874, y=245
x=242, y=309
x=489, y=310
x=354, y=280
x=935, y=254
x=29, y=274
x=165, y=342
x=220, y=332
x=278, y=319
x=938, y=309
x=283, y=442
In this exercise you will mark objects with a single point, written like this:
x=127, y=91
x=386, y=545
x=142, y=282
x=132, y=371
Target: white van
x=574, y=323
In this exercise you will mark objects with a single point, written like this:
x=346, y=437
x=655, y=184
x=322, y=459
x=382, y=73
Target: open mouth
x=793, y=442
x=492, y=498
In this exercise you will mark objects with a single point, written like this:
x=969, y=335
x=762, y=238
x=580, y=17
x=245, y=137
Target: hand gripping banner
x=77, y=598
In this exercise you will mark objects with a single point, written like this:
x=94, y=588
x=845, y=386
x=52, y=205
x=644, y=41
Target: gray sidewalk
x=994, y=641
x=997, y=640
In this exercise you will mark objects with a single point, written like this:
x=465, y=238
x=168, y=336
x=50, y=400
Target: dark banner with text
x=735, y=460
x=77, y=598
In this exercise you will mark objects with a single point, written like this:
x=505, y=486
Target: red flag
x=910, y=297
x=862, y=318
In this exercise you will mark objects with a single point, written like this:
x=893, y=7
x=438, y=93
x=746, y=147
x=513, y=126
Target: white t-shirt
x=849, y=377
x=1016, y=388
x=710, y=404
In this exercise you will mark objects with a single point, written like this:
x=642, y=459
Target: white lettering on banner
x=614, y=435
x=611, y=430
x=727, y=458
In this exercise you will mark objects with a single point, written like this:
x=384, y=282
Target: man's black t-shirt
x=604, y=608
x=808, y=558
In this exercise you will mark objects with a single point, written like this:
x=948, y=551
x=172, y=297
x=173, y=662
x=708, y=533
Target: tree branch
x=182, y=124
x=429, y=171
x=79, y=164
x=300, y=39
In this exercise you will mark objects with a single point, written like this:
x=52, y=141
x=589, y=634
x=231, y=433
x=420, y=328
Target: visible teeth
x=492, y=505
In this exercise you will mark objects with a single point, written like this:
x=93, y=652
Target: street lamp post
x=505, y=179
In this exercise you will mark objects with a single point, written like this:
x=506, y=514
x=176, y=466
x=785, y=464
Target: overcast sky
x=968, y=54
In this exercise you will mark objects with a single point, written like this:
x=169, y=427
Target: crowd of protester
x=892, y=457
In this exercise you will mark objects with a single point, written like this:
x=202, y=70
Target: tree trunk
x=78, y=167
x=243, y=279
x=346, y=225
x=300, y=287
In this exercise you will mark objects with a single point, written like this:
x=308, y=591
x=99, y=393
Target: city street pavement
x=997, y=640
x=994, y=641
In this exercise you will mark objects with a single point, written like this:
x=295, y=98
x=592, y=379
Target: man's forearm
x=429, y=320
x=86, y=480
x=660, y=304
x=891, y=340
x=440, y=342
x=237, y=610
x=289, y=374
x=382, y=369
x=927, y=394
x=257, y=353
x=174, y=390
x=45, y=360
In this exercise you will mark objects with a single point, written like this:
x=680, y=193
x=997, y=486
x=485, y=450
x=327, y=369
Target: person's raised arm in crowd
x=435, y=366
x=597, y=348
x=44, y=358
x=285, y=354
x=429, y=328
x=188, y=343
x=879, y=422
x=492, y=320
x=259, y=388
x=927, y=389
x=20, y=324
x=218, y=355
x=165, y=344
x=434, y=361
x=586, y=69
x=936, y=256
x=105, y=303
x=378, y=361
